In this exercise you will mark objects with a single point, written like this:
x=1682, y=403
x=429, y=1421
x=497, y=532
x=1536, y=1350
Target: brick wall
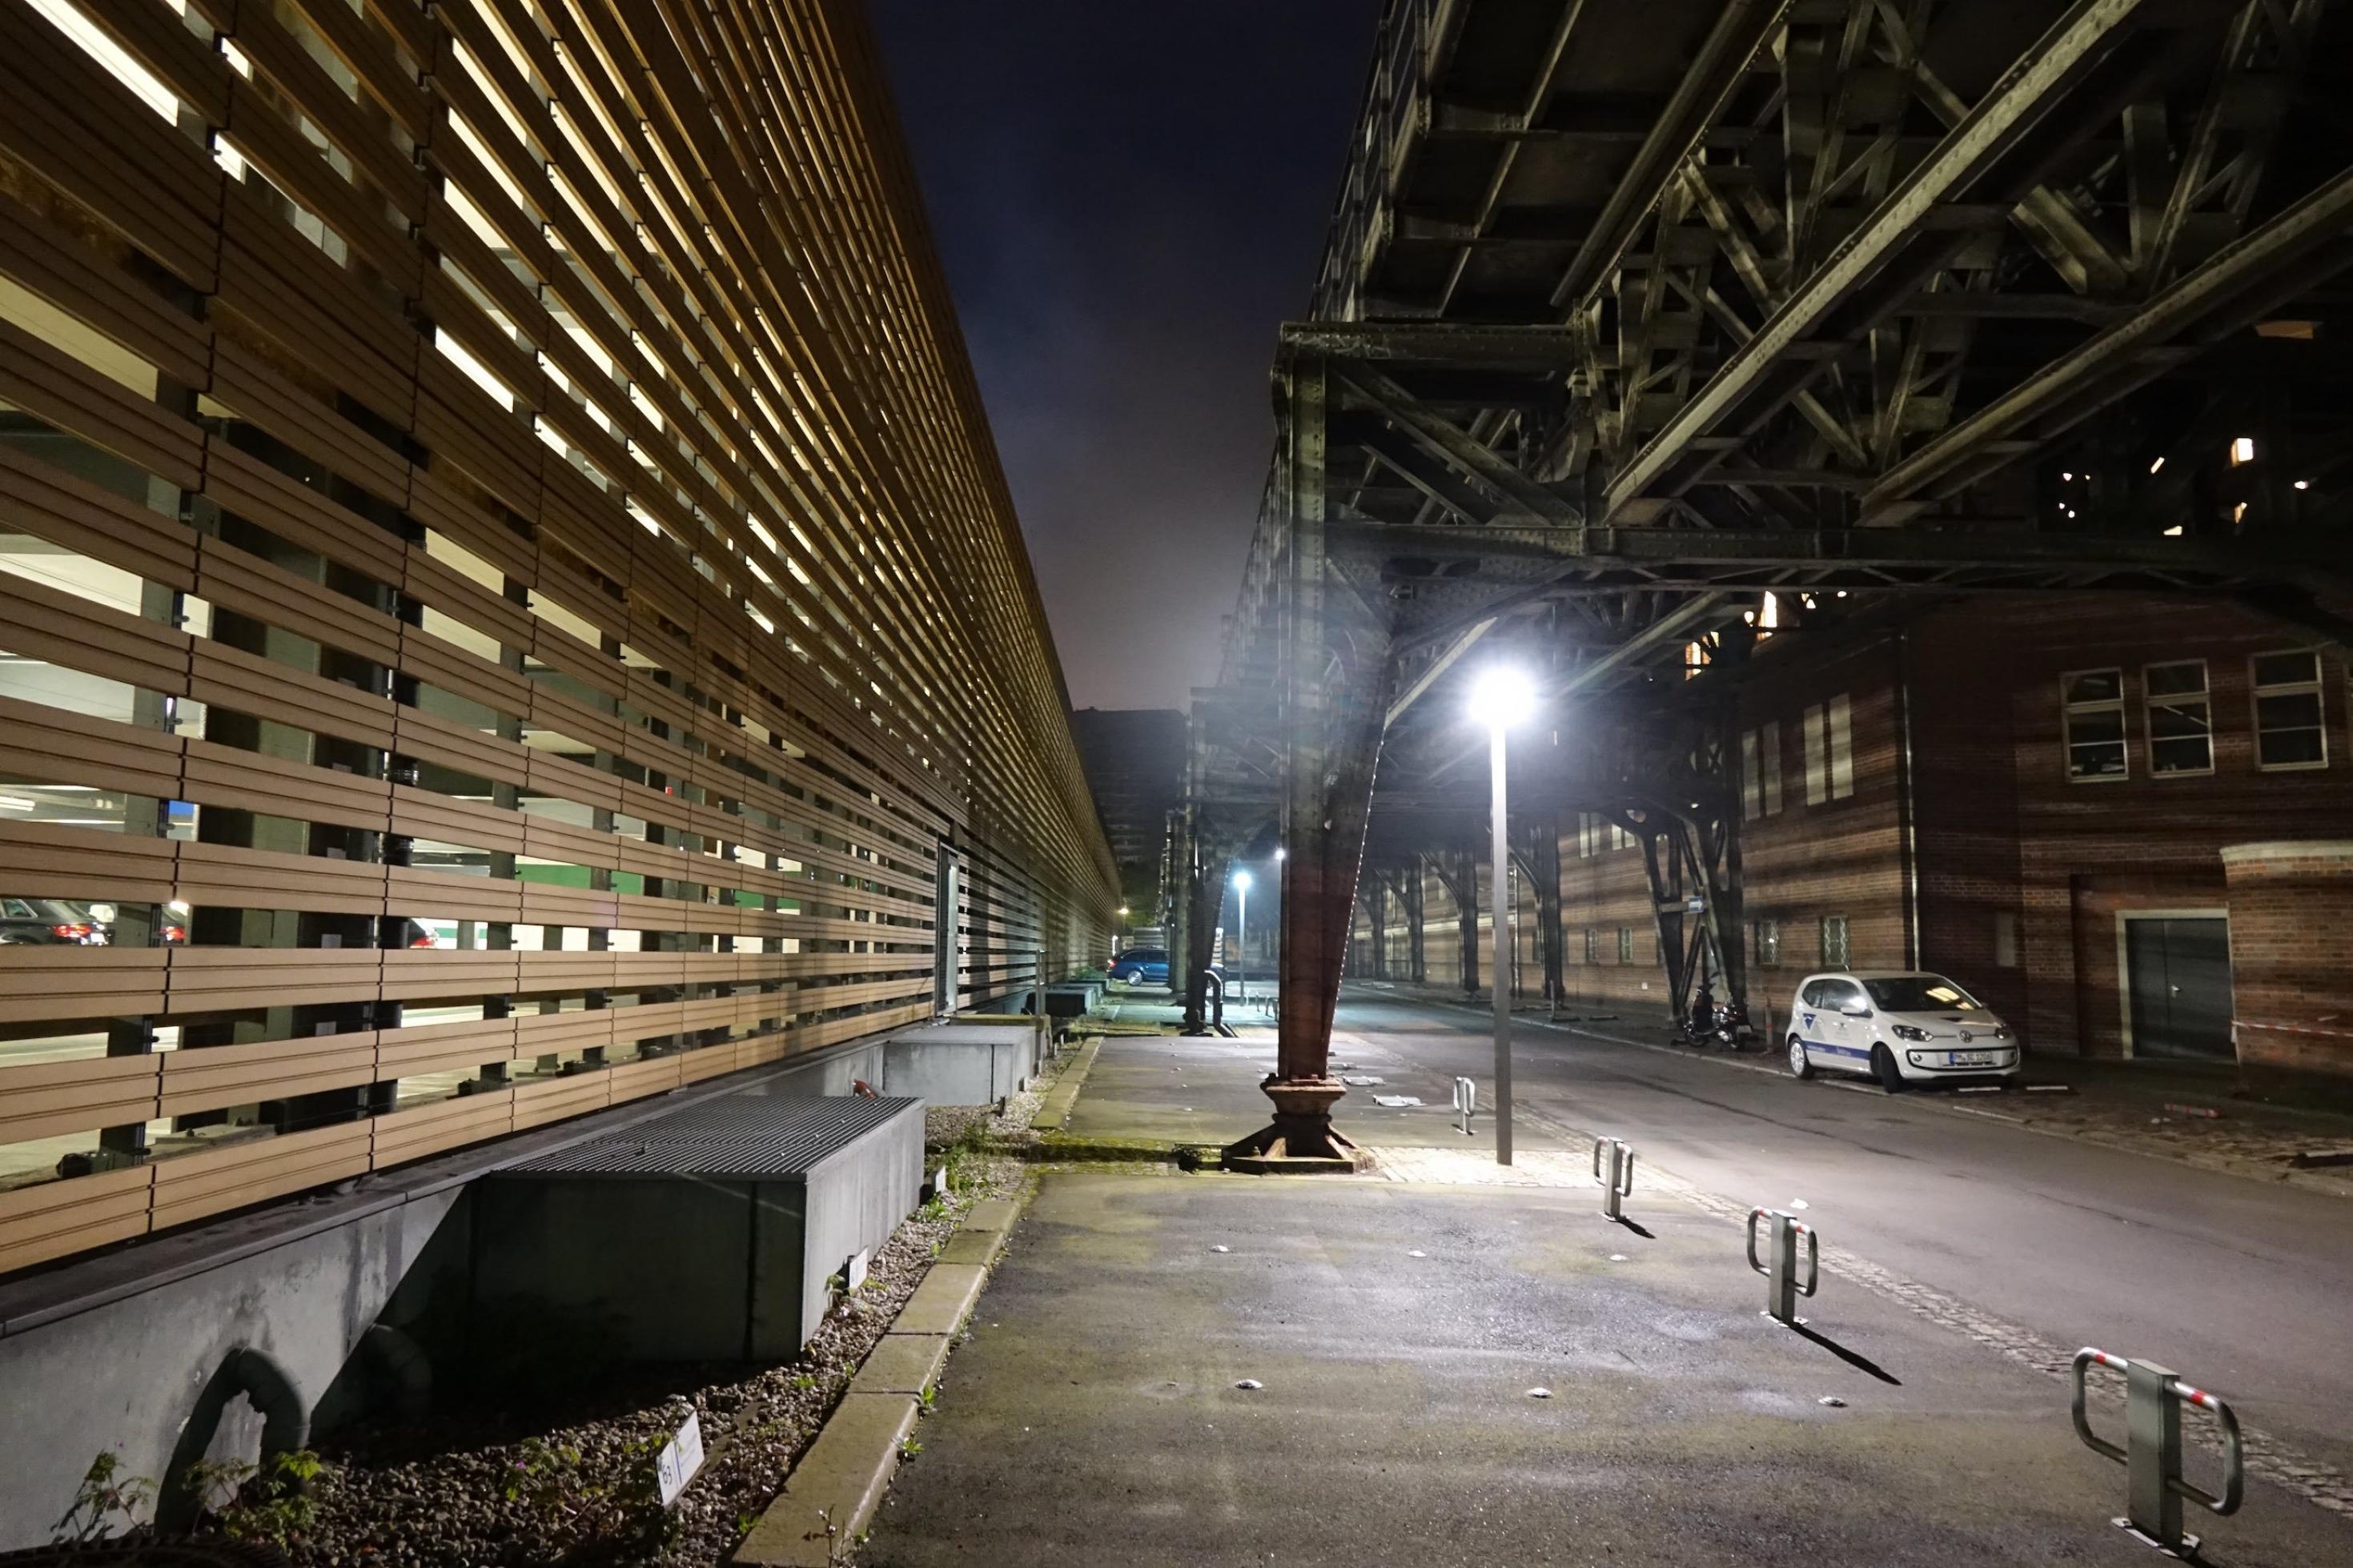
x=1965, y=847
x=2290, y=910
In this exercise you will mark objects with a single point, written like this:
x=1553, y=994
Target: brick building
x=2096, y=812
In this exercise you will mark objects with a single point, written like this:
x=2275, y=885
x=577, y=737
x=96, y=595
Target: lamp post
x=1500, y=699
x=1241, y=936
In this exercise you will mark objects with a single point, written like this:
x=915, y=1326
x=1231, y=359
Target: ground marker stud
x=1781, y=1286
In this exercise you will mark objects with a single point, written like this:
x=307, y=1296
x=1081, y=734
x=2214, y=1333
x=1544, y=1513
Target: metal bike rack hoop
x=2151, y=1452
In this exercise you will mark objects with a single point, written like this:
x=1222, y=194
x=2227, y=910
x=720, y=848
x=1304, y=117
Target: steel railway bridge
x=1631, y=315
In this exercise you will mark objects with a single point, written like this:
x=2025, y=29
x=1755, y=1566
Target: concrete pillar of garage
x=2291, y=917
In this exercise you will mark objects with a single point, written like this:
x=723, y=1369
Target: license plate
x=1968, y=1058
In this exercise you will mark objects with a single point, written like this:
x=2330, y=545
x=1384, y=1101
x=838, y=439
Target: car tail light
x=175, y=933
x=70, y=933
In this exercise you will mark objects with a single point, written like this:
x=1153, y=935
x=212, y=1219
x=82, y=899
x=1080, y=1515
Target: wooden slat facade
x=504, y=474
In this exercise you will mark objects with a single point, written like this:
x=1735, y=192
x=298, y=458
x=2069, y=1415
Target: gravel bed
x=568, y=1485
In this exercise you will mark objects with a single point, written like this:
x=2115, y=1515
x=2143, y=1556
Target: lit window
x=2095, y=703
x=1830, y=751
x=2180, y=718
x=1836, y=954
x=2243, y=450
x=2289, y=731
x=1768, y=941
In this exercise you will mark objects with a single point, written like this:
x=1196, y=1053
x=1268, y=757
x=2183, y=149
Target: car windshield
x=1921, y=993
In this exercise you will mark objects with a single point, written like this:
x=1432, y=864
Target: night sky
x=1128, y=198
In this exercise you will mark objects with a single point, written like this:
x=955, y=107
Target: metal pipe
x=1502, y=851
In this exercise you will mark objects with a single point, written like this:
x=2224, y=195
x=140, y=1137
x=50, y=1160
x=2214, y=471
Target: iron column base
x=1300, y=1141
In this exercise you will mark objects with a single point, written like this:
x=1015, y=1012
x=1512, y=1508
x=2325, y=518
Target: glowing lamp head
x=1500, y=698
x=1241, y=881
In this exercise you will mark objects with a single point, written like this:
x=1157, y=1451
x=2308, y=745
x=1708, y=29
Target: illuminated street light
x=1500, y=698
x=1241, y=933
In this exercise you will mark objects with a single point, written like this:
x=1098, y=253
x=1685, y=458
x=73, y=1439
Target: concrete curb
x=1054, y=1110
x=833, y=1491
x=2250, y=1169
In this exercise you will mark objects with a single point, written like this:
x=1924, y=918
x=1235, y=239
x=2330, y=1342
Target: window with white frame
x=1592, y=946
x=2179, y=714
x=1596, y=836
x=1830, y=751
x=2005, y=939
x=2291, y=726
x=1760, y=772
x=1625, y=944
x=1768, y=941
x=1836, y=954
x=2094, y=703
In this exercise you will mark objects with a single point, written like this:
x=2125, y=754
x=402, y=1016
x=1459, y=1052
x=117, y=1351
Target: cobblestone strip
x=2281, y=1463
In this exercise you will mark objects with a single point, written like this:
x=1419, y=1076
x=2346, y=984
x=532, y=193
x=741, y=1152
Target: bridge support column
x=1333, y=663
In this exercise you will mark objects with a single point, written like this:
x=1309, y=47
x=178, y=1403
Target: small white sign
x=680, y=1459
x=853, y=1273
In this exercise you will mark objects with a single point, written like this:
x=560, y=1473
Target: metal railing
x=2151, y=1452
x=1618, y=1181
x=1781, y=1286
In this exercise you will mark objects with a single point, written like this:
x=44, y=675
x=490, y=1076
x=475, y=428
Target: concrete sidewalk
x=1398, y=1326
x=1397, y=1330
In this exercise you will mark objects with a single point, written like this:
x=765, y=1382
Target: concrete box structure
x=706, y=1236
x=1073, y=998
x=961, y=1063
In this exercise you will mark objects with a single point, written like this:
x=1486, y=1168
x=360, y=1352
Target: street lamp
x=1500, y=698
x=1241, y=935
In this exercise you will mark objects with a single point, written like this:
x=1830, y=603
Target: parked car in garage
x=48, y=922
x=1900, y=1026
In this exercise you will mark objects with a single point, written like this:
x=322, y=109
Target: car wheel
x=1800, y=1065
x=1883, y=1067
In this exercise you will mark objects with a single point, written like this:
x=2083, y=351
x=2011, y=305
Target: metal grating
x=737, y=1135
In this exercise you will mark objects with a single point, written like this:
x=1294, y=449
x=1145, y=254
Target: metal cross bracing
x=1639, y=324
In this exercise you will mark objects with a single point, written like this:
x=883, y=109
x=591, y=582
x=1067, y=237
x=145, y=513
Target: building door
x=2178, y=970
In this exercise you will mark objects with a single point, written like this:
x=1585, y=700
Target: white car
x=1898, y=1025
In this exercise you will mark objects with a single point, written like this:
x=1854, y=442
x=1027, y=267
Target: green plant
x=275, y=1500
x=574, y=1505
x=928, y=1399
x=805, y=1381
x=105, y=1496
x=908, y=1448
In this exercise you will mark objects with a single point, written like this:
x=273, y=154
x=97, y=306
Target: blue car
x=1142, y=966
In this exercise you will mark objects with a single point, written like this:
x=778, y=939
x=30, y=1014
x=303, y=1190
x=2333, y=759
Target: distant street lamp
x=1500, y=698
x=1241, y=935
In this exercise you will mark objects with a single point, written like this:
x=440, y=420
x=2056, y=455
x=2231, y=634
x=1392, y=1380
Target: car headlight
x=1907, y=1032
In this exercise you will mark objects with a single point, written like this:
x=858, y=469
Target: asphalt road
x=2243, y=1287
